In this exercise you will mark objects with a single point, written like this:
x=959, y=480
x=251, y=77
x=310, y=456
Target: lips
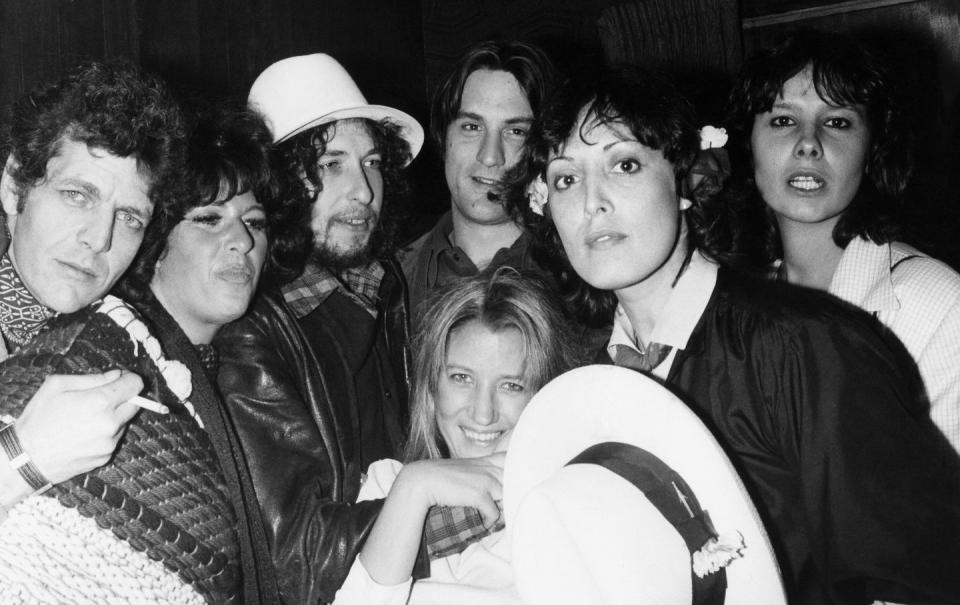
x=603, y=238
x=236, y=274
x=807, y=182
x=485, y=181
x=483, y=438
x=78, y=271
x=363, y=220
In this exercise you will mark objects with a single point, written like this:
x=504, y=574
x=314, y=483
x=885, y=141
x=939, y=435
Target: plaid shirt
x=316, y=284
x=450, y=529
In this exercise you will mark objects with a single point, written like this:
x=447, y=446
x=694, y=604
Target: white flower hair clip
x=537, y=195
x=712, y=137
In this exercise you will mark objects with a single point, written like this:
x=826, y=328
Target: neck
x=810, y=256
x=198, y=332
x=481, y=242
x=645, y=302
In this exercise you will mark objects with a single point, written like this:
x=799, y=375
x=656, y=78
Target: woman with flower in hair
x=820, y=410
x=488, y=343
x=173, y=516
x=828, y=163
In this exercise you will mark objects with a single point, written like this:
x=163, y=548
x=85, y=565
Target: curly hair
x=845, y=71
x=499, y=300
x=111, y=105
x=661, y=119
x=230, y=152
x=302, y=152
x=524, y=61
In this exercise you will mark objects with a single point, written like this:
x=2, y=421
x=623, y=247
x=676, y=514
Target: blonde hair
x=499, y=300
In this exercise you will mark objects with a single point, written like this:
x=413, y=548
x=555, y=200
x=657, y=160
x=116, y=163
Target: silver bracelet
x=21, y=461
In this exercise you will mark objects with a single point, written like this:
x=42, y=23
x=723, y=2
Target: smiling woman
x=488, y=344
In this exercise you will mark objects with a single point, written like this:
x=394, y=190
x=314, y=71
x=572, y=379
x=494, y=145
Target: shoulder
x=762, y=307
x=925, y=279
x=106, y=327
x=411, y=253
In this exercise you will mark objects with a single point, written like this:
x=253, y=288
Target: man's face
x=80, y=227
x=347, y=210
x=483, y=142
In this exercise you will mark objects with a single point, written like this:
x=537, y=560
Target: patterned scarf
x=21, y=315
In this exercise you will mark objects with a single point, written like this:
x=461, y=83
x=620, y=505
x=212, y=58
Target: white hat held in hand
x=299, y=93
x=651, y=510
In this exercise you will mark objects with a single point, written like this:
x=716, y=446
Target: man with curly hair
x=88, y=159
x=315, y=376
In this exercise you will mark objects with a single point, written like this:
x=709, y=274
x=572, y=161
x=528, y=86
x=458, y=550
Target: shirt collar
x=685, y=305
x=21, y=314
x=864, y=276
x=316, y=284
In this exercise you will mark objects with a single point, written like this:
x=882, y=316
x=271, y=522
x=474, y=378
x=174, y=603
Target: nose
x=597, y=201
x=97, y=231
x=486, y=409
x=238, y=237
x=360, y=189
x=809, y=144
x=491, y=152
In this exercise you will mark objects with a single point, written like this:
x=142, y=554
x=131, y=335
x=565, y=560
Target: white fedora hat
x=298, y=93
x=615, y=492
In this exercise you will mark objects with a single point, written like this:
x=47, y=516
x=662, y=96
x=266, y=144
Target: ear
x=8, y=192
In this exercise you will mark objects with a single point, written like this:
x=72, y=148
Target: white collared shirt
x=684, y=307
x=918, y=298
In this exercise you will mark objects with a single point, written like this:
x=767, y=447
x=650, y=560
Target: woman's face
x=809, y=156
x=615, y=206
x=482, y=390
x=210, y=269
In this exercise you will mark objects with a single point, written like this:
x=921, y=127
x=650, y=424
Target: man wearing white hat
x=315, y=376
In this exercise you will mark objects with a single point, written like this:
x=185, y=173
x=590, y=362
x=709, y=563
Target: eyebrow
x=475, y=116
x=85, y=186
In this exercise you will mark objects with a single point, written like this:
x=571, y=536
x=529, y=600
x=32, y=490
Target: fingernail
x=113, y=374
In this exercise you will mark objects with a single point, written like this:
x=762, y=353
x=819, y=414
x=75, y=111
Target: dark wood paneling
x=40, y=39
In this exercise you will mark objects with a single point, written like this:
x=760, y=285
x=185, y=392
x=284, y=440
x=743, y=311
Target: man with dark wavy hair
x=315, y=376
x=479, y=119
x=88, y=159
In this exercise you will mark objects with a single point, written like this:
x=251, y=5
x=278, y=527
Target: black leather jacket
x=291, y=397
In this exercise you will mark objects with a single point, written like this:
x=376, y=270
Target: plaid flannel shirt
x=450, y=529
x=316, y=284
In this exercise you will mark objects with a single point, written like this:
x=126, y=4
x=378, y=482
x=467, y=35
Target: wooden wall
x=216, y=47
x=399, y=49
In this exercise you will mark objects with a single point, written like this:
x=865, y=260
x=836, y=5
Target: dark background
x=397, y=50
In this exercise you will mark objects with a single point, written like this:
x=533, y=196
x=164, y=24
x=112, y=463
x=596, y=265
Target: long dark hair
x=660, y=118
x=301, y=152
x=845, y=71
x=230, y=153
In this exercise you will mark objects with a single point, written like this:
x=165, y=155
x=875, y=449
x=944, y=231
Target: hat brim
x=411, y=131
x=604, y=403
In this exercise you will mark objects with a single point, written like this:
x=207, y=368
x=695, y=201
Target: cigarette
x=149, y=404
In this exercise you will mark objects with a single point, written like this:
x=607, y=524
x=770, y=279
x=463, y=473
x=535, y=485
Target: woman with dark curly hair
x=172, y=517
x=821, y=411
x=829, y=162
